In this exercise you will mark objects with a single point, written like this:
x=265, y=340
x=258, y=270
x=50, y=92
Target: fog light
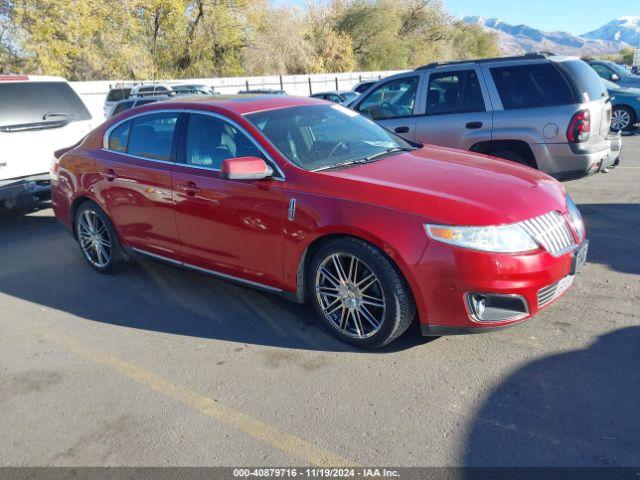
x=479, y=304
x=496, y=307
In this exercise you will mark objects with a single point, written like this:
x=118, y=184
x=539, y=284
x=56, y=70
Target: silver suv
x=548, y=112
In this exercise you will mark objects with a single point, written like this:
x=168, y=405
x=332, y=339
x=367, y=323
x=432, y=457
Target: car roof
x=238, y=104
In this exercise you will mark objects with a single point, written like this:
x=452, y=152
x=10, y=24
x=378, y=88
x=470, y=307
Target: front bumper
x=25, y=191
x=447, y=274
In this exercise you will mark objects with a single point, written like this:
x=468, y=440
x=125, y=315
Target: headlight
x=576, y=218
x=501, y=239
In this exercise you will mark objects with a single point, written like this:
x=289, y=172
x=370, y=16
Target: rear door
x=455, y=111
x=135, y=168
x=393, y=104
x=37, y=118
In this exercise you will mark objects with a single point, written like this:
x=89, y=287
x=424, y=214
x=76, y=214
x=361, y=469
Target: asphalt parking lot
x=159, y=366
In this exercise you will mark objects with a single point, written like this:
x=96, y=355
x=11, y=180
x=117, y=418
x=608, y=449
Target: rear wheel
x=359, y=293
x=98, y=240
x=622, y=118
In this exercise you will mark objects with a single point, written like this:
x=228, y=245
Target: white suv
x=38, y=116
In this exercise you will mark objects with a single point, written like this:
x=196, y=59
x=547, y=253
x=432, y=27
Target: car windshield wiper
x=387, y=152
x=366, y=159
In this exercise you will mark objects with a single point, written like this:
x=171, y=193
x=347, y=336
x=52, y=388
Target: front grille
x=553, y=291
x=550, y=230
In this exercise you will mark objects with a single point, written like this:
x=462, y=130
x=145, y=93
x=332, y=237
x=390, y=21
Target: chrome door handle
x=110, y=175
x=189, y=188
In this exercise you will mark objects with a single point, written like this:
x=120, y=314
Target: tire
x=348, y=300
x=98, y=240
x=623, y=119
x=513, y=156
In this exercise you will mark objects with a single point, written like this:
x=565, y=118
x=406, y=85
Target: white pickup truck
x=38, y=115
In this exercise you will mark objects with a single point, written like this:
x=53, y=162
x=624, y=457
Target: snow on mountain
x=624, y=29
x=518, y=39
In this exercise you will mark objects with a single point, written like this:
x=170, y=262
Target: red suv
x=313, y=201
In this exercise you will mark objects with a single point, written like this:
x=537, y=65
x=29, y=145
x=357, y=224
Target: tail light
x=55, y=168
x=580, y=127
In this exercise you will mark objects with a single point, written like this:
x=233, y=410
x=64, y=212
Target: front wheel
x=98, y=240
x=359, y=293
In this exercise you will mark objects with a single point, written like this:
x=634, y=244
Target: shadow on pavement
x=41, y=263
x=573, y=409
x=613, y=231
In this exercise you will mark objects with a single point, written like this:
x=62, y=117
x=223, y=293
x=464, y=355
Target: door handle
x=401, y=130
x=474, y=125
x=189, y=188
x=110, y=175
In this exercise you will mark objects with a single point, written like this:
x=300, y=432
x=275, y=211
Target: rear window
x=39, y=103
x=532, y=86
x=589, y=85
x=122, y=107
x=117, y=94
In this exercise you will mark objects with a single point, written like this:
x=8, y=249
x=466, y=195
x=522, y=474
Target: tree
x=626, y=55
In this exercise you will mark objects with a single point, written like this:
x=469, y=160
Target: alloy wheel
x=350, y=295
x=620, y=119
x=94, y=239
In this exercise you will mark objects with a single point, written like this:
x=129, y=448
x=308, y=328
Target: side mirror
x=245, y=168
x=615, y=77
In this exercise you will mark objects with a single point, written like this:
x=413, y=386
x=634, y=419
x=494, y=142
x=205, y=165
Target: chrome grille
x=553, y=291
x=550, y=230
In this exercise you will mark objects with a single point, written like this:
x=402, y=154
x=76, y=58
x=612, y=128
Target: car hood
x=450, y=186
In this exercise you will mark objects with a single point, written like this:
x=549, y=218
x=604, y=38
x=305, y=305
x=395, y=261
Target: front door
x=229, y=226
x=135, y=182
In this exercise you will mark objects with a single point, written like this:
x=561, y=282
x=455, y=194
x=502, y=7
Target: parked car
x=37, y=116
x=615, y=73
x=193, y=89
x=133, y=102
x=364, y=86
x=315, y=202
x=341, y=97
x=114, y=96
x=151, y=90
x=546, y=112
x=626, y=106
x=262, y=91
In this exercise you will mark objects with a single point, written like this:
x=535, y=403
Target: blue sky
x=575, y=16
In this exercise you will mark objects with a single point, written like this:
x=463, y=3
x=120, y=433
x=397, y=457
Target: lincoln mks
x=310, y=200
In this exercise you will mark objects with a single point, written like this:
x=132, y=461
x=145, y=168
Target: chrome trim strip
x=213, y=273
x=551, y=292
x=270, y=160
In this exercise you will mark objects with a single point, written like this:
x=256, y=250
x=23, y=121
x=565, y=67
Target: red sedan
x=313, y=201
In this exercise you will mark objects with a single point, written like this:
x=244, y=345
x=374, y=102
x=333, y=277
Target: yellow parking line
x=262, y=431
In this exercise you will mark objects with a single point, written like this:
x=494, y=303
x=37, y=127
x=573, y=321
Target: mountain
x=625, y=29
x=518, y=39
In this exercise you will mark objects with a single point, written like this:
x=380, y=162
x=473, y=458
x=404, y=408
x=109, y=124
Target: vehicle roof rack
x=526, y=56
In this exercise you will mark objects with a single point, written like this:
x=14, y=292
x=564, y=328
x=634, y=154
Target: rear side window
x=454, y=92
x=119, y=137
x=122, y=107
x=532, y=86
x=151, y=135
x=393, y=99
x=588, y=84
x=117, y=94
x=40, y=102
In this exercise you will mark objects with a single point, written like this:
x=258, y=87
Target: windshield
x=320, y=136
x=40, y=103
x=619, y=70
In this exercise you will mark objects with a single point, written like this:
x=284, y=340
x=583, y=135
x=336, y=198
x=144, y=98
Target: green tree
x=626, y=55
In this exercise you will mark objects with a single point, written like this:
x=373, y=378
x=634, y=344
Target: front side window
x=603, y=72
x=211, y=140
x=152, y=135
x=454, y=92
x=321, y=136
x=393, y=99
x=531, y=86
